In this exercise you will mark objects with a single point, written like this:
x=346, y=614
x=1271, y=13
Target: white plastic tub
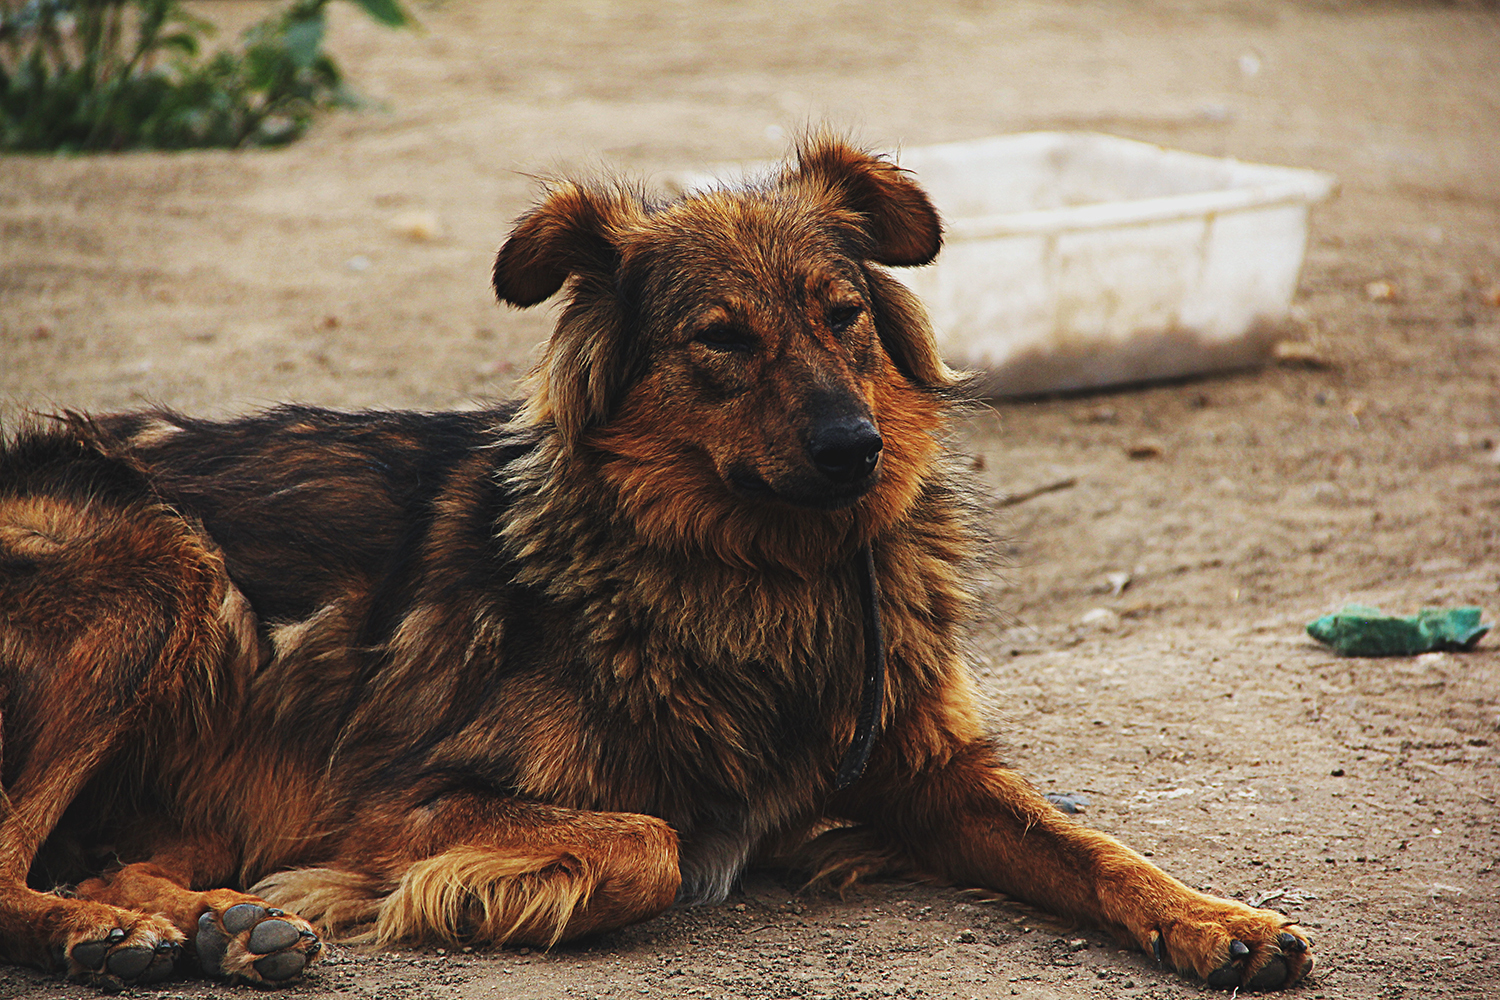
x=1075, y=260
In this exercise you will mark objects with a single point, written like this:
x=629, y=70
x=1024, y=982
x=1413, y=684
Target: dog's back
x=309, y=505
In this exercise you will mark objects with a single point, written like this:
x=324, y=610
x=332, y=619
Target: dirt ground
x=1193, y=713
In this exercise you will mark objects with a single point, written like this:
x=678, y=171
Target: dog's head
x=738, y=355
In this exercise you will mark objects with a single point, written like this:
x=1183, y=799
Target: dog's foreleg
x=491, y=870
x=967, y=820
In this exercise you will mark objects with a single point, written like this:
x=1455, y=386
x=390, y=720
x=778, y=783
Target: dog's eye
x=841, y=318
x=723, y=337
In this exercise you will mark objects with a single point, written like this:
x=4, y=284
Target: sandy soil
x=1195, y=716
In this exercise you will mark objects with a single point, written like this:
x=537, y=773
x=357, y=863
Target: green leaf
x=387, y=12
x=302, y=38
x=182, y=41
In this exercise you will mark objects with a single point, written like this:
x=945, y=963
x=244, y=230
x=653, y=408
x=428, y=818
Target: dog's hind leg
x=94, y=942
x=118, y=625
x=490, y=870
x=234, y=935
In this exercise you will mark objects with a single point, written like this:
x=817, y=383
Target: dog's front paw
x=132, y=950
x=255, y=943
x=1231, y=946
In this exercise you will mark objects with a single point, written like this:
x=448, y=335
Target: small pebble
x=1102, y=415
x=418, y=226
x=1296, y=353
x=1100, y=618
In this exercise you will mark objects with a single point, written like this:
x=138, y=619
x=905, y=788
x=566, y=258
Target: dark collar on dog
x=867, y=728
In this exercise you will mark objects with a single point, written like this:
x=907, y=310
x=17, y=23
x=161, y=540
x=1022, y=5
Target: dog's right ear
x=578, y=233
x=571, y=232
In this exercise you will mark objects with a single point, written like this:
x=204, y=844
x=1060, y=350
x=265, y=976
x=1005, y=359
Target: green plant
x=80, y=75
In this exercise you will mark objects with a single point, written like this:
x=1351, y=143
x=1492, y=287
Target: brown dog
x=521, y=675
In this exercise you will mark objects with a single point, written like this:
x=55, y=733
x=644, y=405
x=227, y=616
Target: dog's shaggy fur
x=521, y=675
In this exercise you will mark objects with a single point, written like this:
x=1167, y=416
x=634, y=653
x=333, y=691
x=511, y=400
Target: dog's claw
x=1291, y=942
x=1232, y=973
x=1158, y=948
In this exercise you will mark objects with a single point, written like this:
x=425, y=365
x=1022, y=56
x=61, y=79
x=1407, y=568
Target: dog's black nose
x=847, y=451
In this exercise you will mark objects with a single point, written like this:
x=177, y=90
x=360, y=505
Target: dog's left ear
x=896, y=215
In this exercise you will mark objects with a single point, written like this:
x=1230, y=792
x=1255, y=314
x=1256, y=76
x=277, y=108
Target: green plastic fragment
x=1361, y=631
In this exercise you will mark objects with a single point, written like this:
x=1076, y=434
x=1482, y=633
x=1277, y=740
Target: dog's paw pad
x=272, y=935
x=212, y=944
x=1232, y=972
x=145, y=954
x=90, y=954
x=1288, y=966
x=1271, y=976
x=129, y=963
x=163, y=961
x=249, y=942
x=281, y=966
x=241, y=917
